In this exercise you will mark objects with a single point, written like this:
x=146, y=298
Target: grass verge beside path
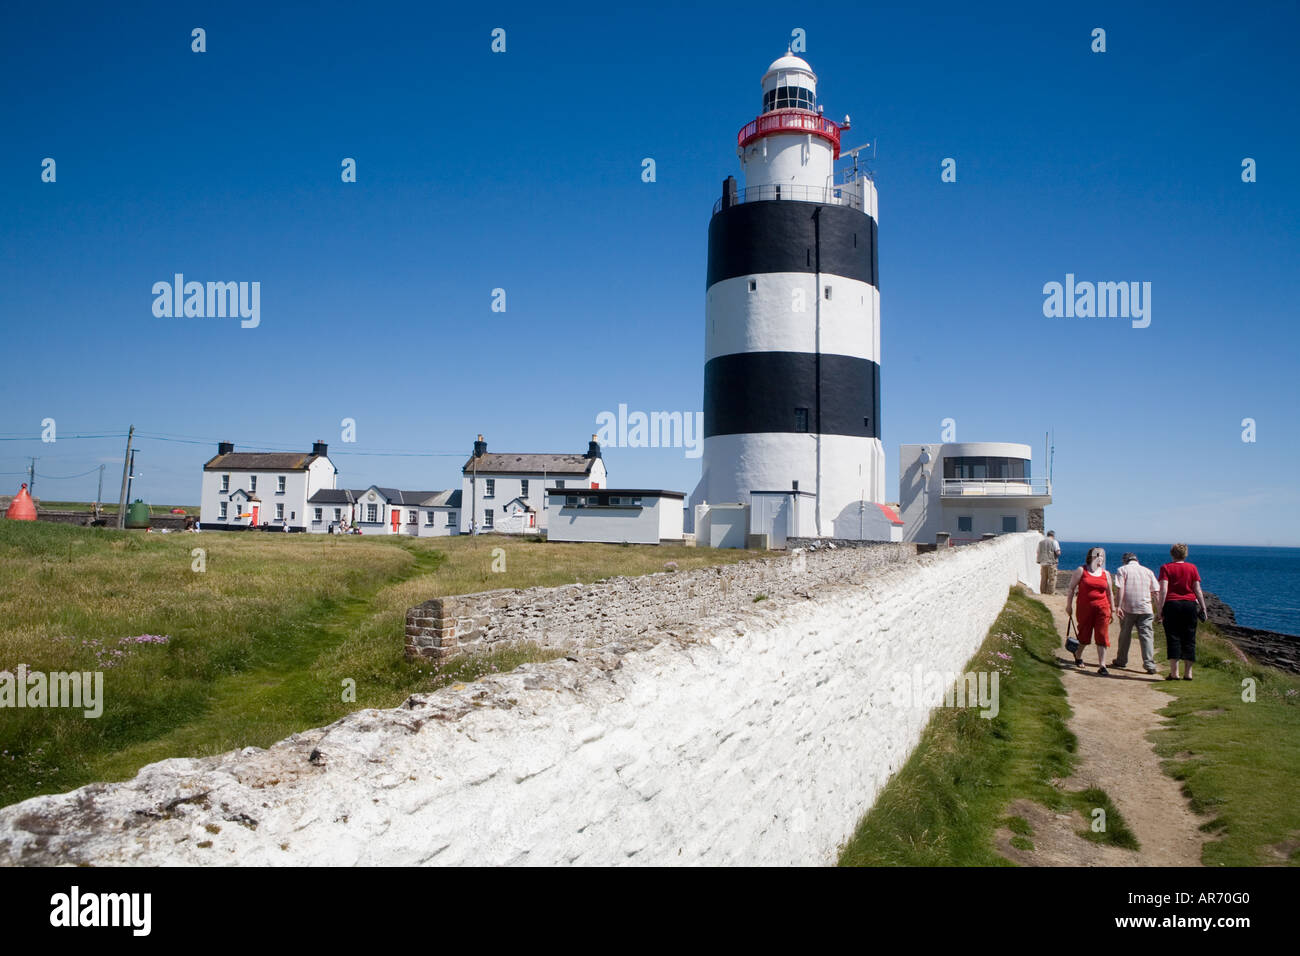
x=943, y=807
x=259, y=642
x=1238, y=760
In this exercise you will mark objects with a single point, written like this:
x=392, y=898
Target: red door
x=396, y=516
x=254, y=516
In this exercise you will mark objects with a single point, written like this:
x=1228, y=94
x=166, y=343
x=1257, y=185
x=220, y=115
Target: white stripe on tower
x=792, y=317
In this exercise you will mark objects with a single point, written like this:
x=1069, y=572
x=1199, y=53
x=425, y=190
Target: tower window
x=801, y=419
x=789, y=97
x=753, y=285
x=827, y=293
x=964, y=523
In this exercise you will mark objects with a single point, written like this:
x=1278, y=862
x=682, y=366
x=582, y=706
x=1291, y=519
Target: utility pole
x=31, y=478
x=130, y=478
x=126, y=471
x=99, y=495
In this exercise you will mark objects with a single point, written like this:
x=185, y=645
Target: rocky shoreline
x=1267, y=647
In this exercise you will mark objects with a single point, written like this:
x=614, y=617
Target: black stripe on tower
x=751, y=392
x=782, y=235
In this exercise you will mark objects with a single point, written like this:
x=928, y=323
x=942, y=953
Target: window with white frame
x=429, y=518
x=412, y=516
x=279, y=512
x=489, y=487
x=523, y=487
x=338, y=514
x=279, y=484
x=372, y=513
x=225, y=482
x=451, y=519
x=487, y=518
x=223, y=511
x=317, y=514
x=252, y=482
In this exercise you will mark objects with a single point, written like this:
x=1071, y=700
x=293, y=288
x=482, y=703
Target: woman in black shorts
x=1181, y=605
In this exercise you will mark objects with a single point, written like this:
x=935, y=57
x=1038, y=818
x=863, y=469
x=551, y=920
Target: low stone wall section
x=621, y=609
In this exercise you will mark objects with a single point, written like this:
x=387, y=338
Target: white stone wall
x=758, y=737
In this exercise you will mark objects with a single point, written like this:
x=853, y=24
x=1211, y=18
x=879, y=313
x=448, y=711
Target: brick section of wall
x=620, y=609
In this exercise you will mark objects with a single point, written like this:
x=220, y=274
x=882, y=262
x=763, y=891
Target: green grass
x=108, y=507
x=945, y=804
x=260, y=643
x=1238, y=762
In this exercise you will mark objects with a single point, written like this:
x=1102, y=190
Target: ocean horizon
x=1260, y=584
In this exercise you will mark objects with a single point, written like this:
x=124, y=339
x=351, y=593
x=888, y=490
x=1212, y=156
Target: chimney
x=320, y=448
x=480, y=447
x=593, y=448
x=729, y=194
x=225, y=447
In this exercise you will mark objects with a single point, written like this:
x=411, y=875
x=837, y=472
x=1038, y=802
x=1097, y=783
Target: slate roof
x=526, y=463
x=261, y=461
x=395, y=496
x=332, y=496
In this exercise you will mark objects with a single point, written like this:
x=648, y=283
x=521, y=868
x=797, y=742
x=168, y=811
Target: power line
x=68, y=477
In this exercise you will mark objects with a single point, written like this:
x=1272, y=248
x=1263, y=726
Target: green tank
x=137, y=515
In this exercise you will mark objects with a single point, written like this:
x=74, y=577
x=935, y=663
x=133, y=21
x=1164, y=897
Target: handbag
x=1071, y=642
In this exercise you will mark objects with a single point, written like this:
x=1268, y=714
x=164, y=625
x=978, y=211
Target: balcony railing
x=995, y=487
x=790, y=121
x=834, y=195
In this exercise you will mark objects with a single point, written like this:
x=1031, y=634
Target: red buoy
x=22, y=508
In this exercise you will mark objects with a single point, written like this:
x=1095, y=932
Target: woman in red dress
x=1091, y=613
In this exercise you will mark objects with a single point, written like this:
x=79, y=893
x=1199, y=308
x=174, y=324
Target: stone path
x=1113, y=718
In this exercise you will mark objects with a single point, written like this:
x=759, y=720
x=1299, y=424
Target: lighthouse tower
x=792, y=318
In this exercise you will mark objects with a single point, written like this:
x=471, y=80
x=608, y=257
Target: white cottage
x=262, y=489
x=507, y=492
x=379, y=510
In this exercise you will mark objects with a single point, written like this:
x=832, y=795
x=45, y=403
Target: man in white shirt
x=1137, y=587
x=1049, y=552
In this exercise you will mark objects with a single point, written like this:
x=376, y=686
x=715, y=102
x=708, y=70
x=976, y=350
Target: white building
x=792, y=318
x=968, y=490
x=615, y=515
x=262, y=489
x=506, y=492
x=377, y=510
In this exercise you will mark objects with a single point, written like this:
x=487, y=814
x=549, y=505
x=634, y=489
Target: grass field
x=259, y=642
x=108, y=507
x=1238, y=760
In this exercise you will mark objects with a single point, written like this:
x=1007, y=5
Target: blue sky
x=522, y=171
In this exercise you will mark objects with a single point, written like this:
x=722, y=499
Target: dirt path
x=1112, y=719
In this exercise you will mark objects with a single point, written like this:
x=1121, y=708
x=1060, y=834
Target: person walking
x=1091, y=612
x=1049, y=553
x=1180, y=604
x=1137, y=590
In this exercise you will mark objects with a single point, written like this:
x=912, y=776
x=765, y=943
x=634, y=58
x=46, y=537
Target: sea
x=1261, y=585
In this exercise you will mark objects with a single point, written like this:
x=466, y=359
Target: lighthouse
x=792, y=319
